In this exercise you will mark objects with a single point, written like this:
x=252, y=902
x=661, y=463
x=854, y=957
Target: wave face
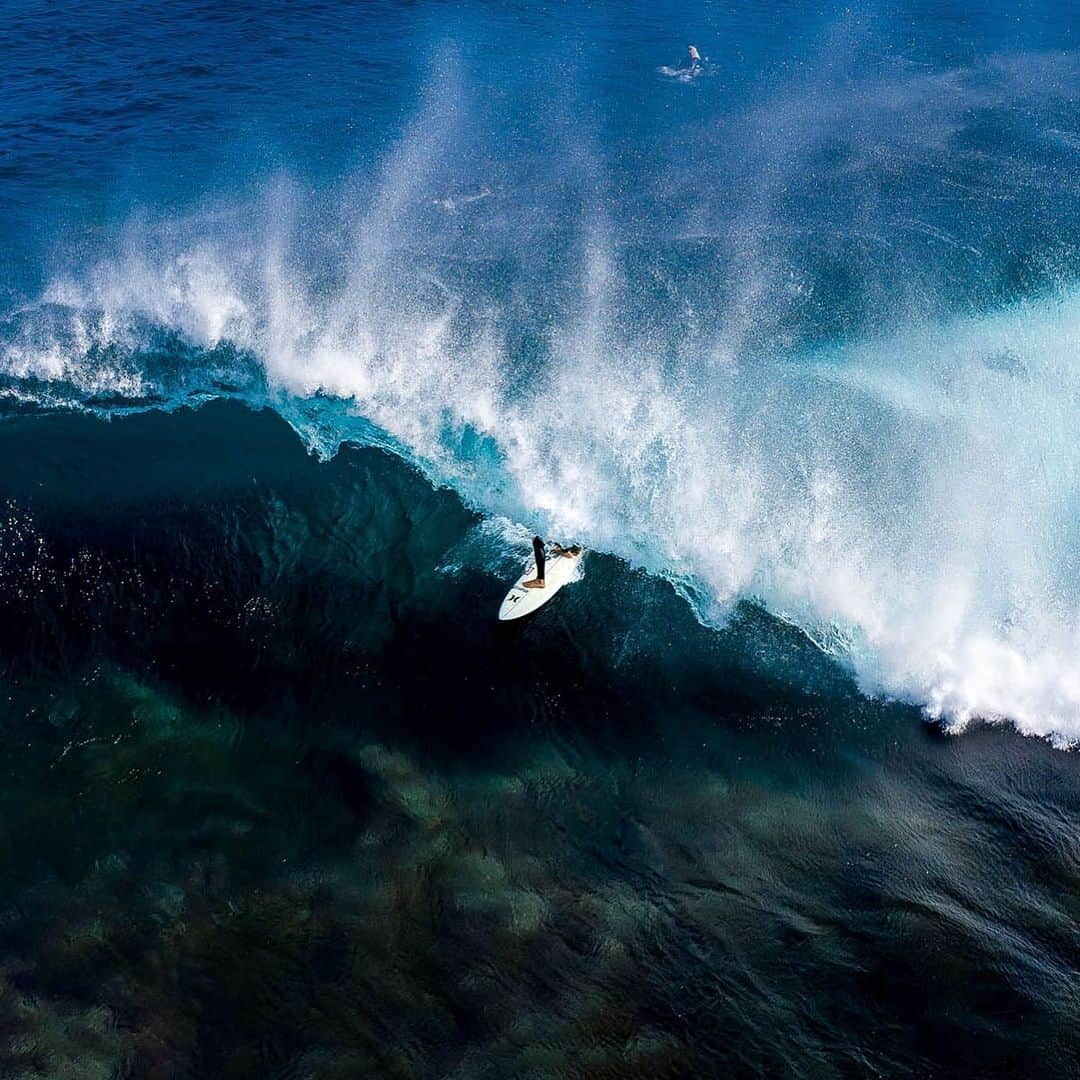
x=802, y=329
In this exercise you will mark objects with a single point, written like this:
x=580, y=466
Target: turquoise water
x=311, y=315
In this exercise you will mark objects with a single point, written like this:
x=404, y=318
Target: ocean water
x=312, y=314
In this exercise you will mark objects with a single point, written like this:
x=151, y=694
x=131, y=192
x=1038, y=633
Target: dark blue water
x=310, y=315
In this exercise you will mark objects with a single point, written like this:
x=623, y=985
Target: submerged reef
x=281, y=798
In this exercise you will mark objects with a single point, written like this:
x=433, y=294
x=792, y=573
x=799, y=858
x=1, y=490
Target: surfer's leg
x=538, y=551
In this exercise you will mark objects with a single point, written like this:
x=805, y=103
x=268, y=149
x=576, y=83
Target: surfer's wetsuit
x=541, y=555
x=538, y=551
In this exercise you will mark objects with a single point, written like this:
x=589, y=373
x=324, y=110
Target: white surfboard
x=519, y=602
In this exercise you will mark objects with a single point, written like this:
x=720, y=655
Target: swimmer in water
x=690, y=68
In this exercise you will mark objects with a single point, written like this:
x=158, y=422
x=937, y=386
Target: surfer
x=538, y=551
x=690, y=68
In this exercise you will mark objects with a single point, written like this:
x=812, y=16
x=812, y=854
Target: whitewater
x=742, y=372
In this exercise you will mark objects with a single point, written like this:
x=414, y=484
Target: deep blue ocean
x=312, y=314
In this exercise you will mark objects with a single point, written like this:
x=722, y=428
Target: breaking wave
x=769, y=396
